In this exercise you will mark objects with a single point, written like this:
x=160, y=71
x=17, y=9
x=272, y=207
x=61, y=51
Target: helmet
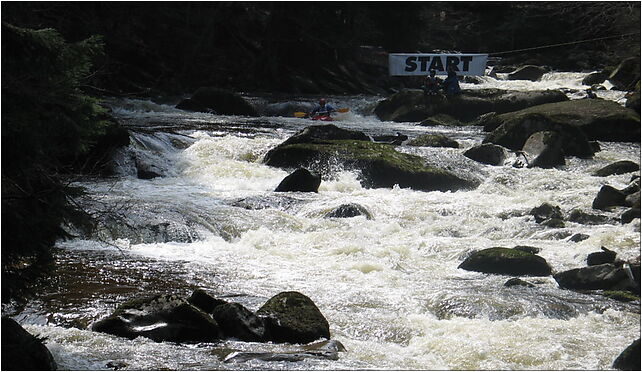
x=322, y=101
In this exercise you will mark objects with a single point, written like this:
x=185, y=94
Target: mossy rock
x=623, y=296
x=380, y=164
x=294, y=318
x=433, y=140
x=506, y=261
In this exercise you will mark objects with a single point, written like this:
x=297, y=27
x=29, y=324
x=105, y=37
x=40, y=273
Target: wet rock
x=544, y=150
x=607, y=197
x=441, y=120
x=319, y=350
x=578, y=121
x=100, y=157
x=161, y=318
x=300, y=180
x=204, y=301
x=605, y=276
x=627, y=74
x=633, y=187
x=218, y=101
x=412, y=105
x=487, y=153
x=528, y=72
x=316, y=133
x=21, y=351
x=594, y=78
x=348, y=211
x=578, y=237
x=506, y=261
x=599, y=258
x=630, y=215
x=433, y=140
x=486, y=120
x=622, y=296
x=619, y=167
x=545, y=212
x=518, y=282
x=595, y=145
x=629, y=360
x=554, y=223
x=239, y=323
x=633, y=200
x=392, y=140
x=292, y=317
x=633, y=101
x=584, y=218
x=380, y=165
x=146, y=171
x=528, y=249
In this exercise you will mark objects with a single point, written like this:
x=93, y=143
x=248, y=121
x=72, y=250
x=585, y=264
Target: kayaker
x=451, y=84
x=322, y=109
x=431, y=84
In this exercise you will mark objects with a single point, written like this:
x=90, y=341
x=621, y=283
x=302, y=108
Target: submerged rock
x=433, y=140
x=293, y=317
x=21, y=351
x=487, y=154
x=619, y=167
x=629, y=360
x=518, y=282
x=319, y=350
x=161, y=318
x=506, y=261
x=348, y=211
x=300, y=180
x=578, y=237
x=391, y=140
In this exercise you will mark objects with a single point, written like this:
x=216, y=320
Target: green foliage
x=47, y=125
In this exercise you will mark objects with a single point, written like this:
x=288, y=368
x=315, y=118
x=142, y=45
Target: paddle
x=304, y=114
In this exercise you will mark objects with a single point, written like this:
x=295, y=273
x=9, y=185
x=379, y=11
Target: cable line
x=562, y=44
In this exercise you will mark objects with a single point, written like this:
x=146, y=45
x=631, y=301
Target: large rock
x=294, y=318
x=412, y=105
x=578, y=121
x=21, y=351
x=317, y=133
x=619, y=167
x=633, y=200
x=239, y=323
x=545, y=212
x=599, y=258
x=204, y=301
x=629, y=359
x=605, y=276
x=528, y=72
x=161, y=318
x=585, y=218
x=608, y=197
x=487, y=153
x=433, y=140
x=300, y=180
x=218, y=101
x=544, y=150
x=629, y=215
x=380, y=164
x=627, y=74
x=506, y=261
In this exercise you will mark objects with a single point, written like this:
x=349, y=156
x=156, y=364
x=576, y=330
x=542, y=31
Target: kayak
x=322, y=118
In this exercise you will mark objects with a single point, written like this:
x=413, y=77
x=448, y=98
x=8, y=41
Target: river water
x=389, y=286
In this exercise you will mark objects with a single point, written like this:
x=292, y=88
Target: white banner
x=421, y=64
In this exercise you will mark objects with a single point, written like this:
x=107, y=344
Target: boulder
x=348, y=211
x=633, y=101
x=300, y=180
x=412, y=105
x=608, y=197
x=599, y=258
x=512, y=282
x=433, y=140
x=100, y=156
x=619, y=167
x=204, y=301
x=487, y=153
x=629, y=215
x=584, y=218
x=21, y=351
x=578, y=121
x=544, y=150
x=237, y=322
x=318, y=133
x=161, y=318
x=578, y=237
x=506, y=261
x=633, y=200
x=380, y=165
x=605, y=276
x=545, y=212
x=292, y=317
x=218, y=101
x=594, y=78
x=441, y=120
x=627, y=74
x=629, y=359
x=528, y=72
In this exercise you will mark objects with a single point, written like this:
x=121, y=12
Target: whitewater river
x=388, y=286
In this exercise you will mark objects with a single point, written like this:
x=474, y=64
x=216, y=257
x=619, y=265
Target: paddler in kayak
x=322, y=111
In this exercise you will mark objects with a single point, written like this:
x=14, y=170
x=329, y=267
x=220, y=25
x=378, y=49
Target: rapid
x=389, y=286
